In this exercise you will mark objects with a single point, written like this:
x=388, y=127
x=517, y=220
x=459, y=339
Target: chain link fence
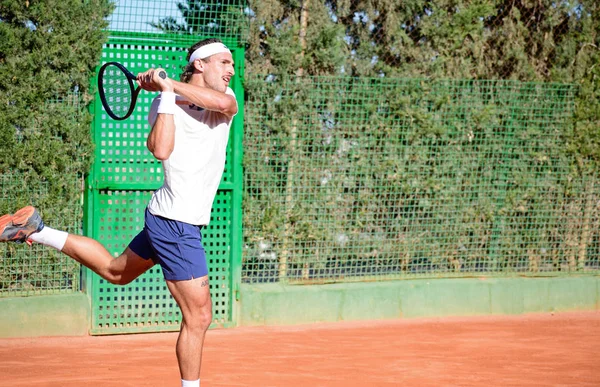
x=420, y=139
x=357, y=178
x=390, y=139
x=30, y=270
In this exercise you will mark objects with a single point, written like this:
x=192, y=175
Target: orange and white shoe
x=19, y=226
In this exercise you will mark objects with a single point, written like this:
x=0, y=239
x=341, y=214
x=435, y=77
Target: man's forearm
x=207, y=98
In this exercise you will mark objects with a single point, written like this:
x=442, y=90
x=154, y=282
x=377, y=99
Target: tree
x=484, y=39
x=428, y=40
x=48, y=53
x=381, y=61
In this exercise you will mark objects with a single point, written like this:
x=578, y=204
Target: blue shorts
x=176, y=246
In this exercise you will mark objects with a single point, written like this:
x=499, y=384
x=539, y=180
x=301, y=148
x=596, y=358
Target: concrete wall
x=56, y=315
x=275, y=304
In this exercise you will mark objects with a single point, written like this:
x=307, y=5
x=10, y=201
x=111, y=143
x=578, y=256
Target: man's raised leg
x=119, y=271
x=26, y=224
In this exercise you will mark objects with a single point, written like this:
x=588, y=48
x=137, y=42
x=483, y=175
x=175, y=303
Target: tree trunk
x=291, y=167
x=588, y=209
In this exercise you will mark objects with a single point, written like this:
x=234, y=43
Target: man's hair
x=188, y=69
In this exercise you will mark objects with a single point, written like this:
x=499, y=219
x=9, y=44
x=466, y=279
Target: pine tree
x=48, y=53
x=484, y=39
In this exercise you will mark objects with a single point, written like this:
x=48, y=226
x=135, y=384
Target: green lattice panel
x=145, y=304
x=122, y=159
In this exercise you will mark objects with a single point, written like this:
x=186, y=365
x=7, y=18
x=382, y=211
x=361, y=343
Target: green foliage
x=584, y=140
x=274, y=45
x=405, y=177
x=459, y=39
x=49, y=50
x=48, y=53
x=445, y=173
x=440, y=39
x=425, y=136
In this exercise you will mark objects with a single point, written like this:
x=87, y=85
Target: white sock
x=190, y=383
x=50, y=237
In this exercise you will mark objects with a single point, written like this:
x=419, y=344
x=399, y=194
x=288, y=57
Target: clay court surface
x=530, y=350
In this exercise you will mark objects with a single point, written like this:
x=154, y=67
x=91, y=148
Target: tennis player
x=190, y=123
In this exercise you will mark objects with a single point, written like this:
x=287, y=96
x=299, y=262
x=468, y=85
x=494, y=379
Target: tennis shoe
x=19, y=226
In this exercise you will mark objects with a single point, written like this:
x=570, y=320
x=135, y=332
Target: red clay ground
x=531, y=350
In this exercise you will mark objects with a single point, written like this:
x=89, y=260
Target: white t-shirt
x=194, y=169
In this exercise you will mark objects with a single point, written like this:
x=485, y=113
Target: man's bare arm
x=161, y=139
x=207, y=98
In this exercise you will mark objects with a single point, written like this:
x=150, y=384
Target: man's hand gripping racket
x=117, y=90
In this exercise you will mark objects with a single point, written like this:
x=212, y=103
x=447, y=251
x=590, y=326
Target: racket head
x=117, y=90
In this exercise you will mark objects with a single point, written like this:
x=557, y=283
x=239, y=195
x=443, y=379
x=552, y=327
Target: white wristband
x=167, y=103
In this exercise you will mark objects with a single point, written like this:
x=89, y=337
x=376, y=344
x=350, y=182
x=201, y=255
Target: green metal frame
x=120, y=184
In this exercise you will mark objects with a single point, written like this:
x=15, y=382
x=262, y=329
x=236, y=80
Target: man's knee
x=199, y=319
x=126, y=268
x=205, y=318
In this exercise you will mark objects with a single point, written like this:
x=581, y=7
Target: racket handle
x=162, y=74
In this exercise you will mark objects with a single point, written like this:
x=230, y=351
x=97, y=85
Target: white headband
x=208, y=50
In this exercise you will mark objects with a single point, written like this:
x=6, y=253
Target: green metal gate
x=123, y=177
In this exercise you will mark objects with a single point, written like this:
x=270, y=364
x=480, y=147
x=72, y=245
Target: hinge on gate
x=237, y=295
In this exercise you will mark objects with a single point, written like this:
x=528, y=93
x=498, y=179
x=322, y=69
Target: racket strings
x=118, y=91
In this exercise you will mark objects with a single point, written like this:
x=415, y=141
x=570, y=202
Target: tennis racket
x=116, y=86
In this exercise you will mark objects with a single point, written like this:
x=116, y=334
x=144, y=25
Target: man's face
x=218, y=71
